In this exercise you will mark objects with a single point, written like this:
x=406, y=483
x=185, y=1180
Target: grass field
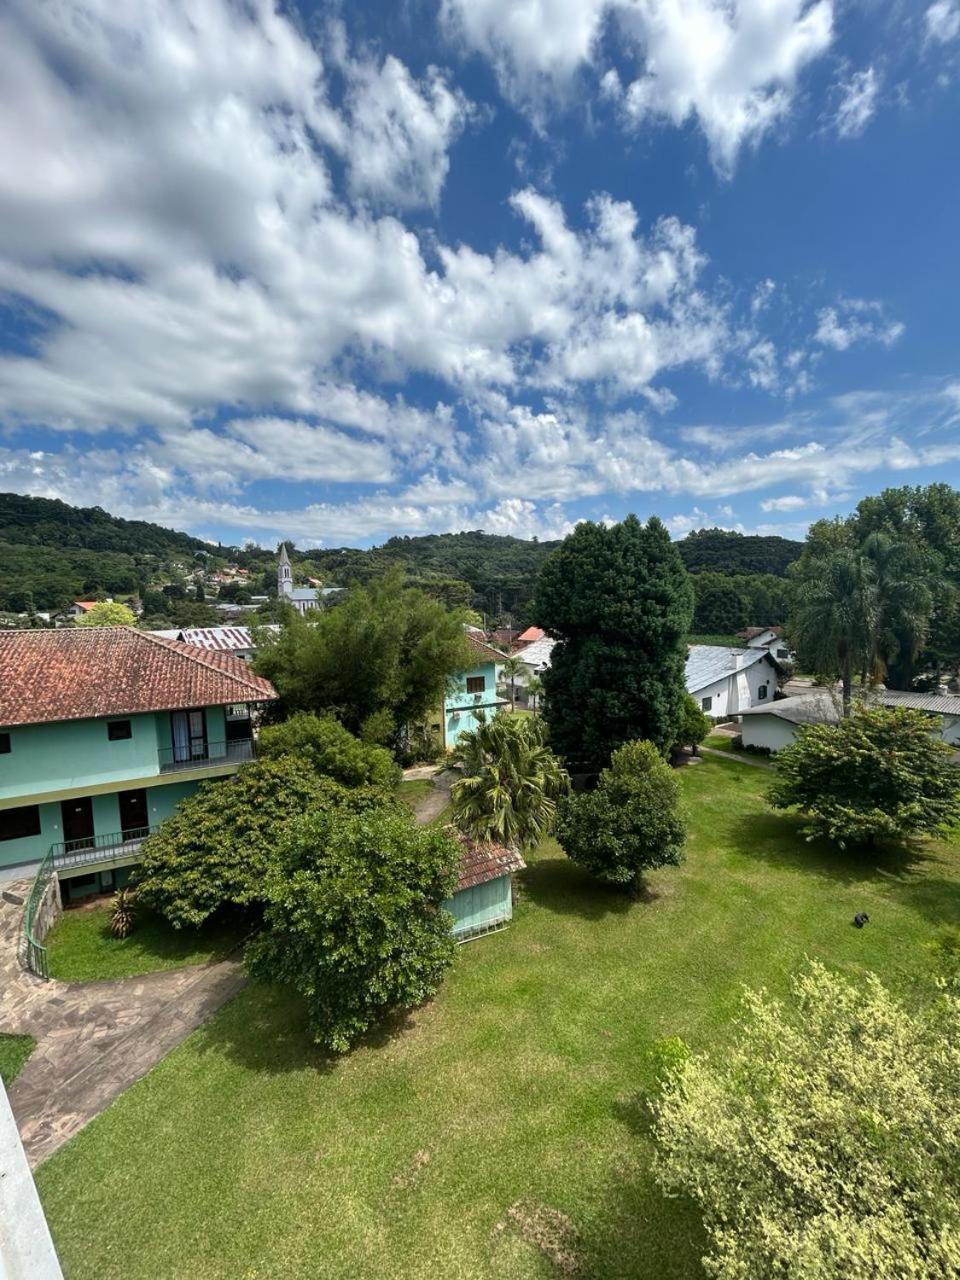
x=504, y=1124
x=413, y=790
x=81, y=948
x=14, y=1051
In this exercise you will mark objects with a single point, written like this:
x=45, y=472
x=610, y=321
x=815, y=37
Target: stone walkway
x=94, y=1039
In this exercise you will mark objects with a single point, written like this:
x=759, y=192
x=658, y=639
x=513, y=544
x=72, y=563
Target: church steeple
x=284, y=572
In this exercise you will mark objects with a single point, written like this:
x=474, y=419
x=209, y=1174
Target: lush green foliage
x=216, y=849
x=724, y=551
x=108, y=613
x=353, y=919
x=631, y=822
x=379, y=660
x=14, y=1051
x=330, y=749
x=620, y=604
x=823, y=1144
x=694, y=725
x=509, y=781
x=123, y=912
x=509, y=670
x=878, y=775
x=724, y=603
x=524, y=1080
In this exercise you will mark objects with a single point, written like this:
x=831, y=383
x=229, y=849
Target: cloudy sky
x=339, y=271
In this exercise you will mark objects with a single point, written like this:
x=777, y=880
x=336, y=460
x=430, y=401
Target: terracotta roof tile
x=482, y=862
x=108, y=671
x=486, y=650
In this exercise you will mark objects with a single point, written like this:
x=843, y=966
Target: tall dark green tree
x=620, y=604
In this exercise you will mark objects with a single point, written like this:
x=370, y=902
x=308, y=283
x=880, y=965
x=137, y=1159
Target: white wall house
x=775, y=727
x=726, y=681
x=769, y=638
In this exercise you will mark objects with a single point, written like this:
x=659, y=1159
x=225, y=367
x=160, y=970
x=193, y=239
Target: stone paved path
x=94, y=1039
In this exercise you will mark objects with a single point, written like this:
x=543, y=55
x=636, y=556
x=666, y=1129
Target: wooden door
x=133, y=813
x=77, y=816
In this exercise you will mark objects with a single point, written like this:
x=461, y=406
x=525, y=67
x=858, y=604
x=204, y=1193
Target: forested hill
x=47, y=522
x=719, y=551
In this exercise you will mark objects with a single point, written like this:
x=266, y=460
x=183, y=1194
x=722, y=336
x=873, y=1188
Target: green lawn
x=81, y=948
x=412, y=790
x=14, y=1051
x=718, y=741
x=450, y=1147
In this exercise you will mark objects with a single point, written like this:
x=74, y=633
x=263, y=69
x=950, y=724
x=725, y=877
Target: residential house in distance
x=472, y=695
x=103, y=731
x=79, y=608
x=483, y=900
x=773, y=727
x=236, y=640
x=528, y=636
x=769, y=638
x=727, y=681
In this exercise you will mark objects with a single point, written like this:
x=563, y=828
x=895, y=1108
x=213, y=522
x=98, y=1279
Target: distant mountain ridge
x=51, y=552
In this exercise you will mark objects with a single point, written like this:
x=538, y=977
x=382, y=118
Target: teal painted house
x=103, y=731
x=483, y=901
x=472, y=694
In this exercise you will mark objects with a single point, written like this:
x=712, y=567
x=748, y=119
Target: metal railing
x=35, y=953
x=76, y=853
x=202, y=755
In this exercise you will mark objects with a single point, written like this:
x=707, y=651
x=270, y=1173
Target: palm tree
x=904, y=604
x=833, y=621
x=511, y=668
x=509, y=781
x=535, y=692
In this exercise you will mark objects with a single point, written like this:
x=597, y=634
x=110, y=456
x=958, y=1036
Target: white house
x=769, y=638
x=775, y=726
x=726, y=681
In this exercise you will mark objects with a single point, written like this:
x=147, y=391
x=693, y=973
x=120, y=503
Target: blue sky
x=339, y=272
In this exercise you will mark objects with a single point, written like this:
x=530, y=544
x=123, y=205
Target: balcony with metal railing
x=205, y=755
x=113, y=846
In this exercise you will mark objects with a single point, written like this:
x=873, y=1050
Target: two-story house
x=472, y=694
x=103, y=731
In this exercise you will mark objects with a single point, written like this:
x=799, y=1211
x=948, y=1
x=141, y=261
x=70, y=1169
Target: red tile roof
x=531, y=634
x=487, y=651
x=109, y=671
x=482, y=862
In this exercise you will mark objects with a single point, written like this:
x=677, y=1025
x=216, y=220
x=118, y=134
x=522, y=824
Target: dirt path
x=430, y=806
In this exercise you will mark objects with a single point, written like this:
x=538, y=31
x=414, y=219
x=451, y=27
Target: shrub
x=216, y=849
x=124, y=913
x=353, y=920
x=330, y=749
x=879, y=774
x=694, y=725
x=631, y=823
x=823, y=1143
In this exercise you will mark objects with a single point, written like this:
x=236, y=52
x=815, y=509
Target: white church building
x=302, y=598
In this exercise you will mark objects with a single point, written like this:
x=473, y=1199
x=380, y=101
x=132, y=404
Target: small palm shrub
x=124, y=915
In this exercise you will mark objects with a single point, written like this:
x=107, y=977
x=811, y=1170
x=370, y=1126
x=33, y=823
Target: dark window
x=762, y=692
x=476, y=684
x=117, y=730
x=706, y=704
x=783, y=653
x=17, y=824
x=4, y=744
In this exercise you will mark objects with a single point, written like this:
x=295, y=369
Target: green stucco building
x=103, y=731
x=472, y=695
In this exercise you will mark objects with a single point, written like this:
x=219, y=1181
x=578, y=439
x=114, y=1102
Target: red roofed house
x=483, y=900
x=528, y=636
x=103, y=731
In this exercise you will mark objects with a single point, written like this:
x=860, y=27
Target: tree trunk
x=847, y=680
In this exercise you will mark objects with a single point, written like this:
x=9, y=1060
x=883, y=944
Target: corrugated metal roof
x=537, y=654
x=825, y=706
x=224, y=639
x=709, y=663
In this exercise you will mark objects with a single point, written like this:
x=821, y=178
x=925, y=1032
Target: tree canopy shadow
x=777, y=839
x=560, y=886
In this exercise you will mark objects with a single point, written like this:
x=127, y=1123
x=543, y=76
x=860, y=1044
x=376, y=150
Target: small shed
x=483, y=899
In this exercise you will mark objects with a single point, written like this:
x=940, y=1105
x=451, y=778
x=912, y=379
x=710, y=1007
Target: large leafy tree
x=878, y=775
x=216, y=849
x=354, y=919
x=631, y=822
x=822, y=1143
x=620, y=604
x=509, y=781
x=379, y=660
x=329, y=749
x=108, y=613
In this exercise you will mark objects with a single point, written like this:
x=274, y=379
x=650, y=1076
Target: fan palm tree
x=535, y=692
x=511, y=668
x=904, y=604
x=509, y=781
